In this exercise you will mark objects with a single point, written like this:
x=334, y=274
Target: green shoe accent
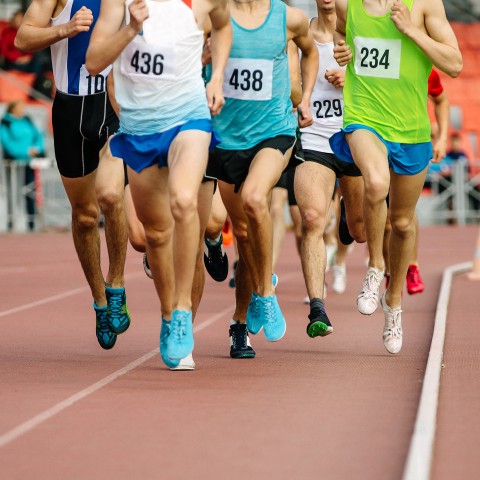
x=318, y=329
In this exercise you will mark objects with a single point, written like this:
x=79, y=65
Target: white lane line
x=68, y=402
x=54, y=298
x=10, y=270
x=420, y=454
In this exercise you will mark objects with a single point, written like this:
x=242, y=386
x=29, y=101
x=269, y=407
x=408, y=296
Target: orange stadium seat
x=14, y=90
x=471, y=33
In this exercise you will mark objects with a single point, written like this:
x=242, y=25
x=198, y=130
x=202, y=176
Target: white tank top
x=68, y=55
x=326, y=105
x=158, y=76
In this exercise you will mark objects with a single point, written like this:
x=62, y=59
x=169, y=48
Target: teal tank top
x=256, y=85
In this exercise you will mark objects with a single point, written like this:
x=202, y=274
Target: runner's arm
x=298, y=31
x=438, y=42
x=220, y=45
x=295, y=77
x=36, y=33
x=341, y=50
x=442, y=114
x=109, y=37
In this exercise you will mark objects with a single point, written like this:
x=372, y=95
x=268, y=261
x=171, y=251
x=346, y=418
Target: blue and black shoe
x=240, y=346
x=164, y=334
x=215, y=259
x=105, y=337
x=118, y=316
x=319, y=324
x=180, y=340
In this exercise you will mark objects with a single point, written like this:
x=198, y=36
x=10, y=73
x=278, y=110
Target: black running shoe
x=343, y=232
x=215, y=260
x=239, y=342
x=319, y=325
x=231, y=283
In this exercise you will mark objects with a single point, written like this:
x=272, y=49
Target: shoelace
x=179, y=327
x=413, y=275
x=394, y=325
x=115, y=304
x=269, y=312
x=370, y=286
x=239, y=338
x=102, y=324
x=215, y=254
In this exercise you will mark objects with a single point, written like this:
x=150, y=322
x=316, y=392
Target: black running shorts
x=81, y=126
x=232, y=166
x=330, y=161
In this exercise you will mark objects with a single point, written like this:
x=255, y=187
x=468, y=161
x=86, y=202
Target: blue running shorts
x=403, y=158
x=143, y=151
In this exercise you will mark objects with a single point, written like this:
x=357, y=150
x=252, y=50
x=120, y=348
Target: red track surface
x=334, y=408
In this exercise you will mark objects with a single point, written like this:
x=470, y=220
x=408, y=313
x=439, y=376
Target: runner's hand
x=305, y=118
x=335, y=77
x=215, y=96
x=80, y=22
x=342, y=53
x=138, y=14
x=401, y=17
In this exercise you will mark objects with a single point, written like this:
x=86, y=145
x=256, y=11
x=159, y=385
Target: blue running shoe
x=254, y=322
x=164, y=334
x=180, y=340
x=274, y=325
x=105, y=337
x=118, y=316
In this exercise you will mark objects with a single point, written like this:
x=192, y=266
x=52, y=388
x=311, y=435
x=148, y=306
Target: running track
x=334, y=408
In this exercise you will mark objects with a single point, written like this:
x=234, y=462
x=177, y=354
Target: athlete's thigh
x=314, y=185
x=187, y=160
x=233, y=204
x=266, y=169
x=404, y=193
x=110, y=172
x=370, y=154
x=81, y=191
x=149, y=190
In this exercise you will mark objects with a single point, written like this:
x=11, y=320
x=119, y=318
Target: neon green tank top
x=386, y=83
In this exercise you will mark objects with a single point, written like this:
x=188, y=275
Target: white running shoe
x=392, y=331
x=367, y=300
x=306, y=300
x=186, y=363
x=339, y=282
x=331, y=251
x=146, y=266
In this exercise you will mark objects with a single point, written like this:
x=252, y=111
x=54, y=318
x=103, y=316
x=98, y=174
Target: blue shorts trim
x=143, y=151
x=403, y=158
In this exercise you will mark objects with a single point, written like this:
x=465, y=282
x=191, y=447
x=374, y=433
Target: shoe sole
x=243, y=355
x=221, y=278
x=318, y=329
x=182, y=368
x=414, y=292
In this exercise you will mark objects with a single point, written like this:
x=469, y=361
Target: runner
x=83, y=119
x=257, y=130
x=315, y=179
x=156, y=49
x=394, y=45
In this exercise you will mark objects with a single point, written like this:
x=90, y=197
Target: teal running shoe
x=118, y=316
x=105, y=337
x=164, y=334
x=274, y=326
x=254, y=322
x=180, y=340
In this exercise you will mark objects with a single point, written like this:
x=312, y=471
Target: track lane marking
x=29, y=425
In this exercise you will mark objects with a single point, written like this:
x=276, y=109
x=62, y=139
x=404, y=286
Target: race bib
x=377, y=57
x=89, y=85
x=327, y=106
x=248, y=79
x=144, y=62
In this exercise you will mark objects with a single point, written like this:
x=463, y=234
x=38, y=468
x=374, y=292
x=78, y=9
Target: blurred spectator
x=21, y=141
x=38, y=63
